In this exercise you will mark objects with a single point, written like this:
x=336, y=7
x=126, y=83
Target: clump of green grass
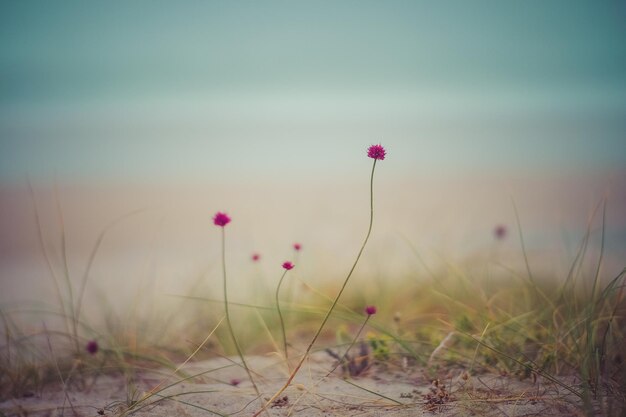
x=570, y=332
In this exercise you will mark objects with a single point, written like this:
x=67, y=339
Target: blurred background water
x=265, y=110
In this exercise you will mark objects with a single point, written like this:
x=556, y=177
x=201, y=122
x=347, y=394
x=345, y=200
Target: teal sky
x=194, y=90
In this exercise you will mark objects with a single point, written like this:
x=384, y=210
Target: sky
x=193, y=91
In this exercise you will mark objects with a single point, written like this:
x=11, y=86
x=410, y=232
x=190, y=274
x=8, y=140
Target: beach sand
x=378, y=391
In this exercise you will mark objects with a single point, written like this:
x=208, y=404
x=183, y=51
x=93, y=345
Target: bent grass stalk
x=141, y=404
x=92, y=256
x=155, y=391
x=42, y=245
x=343, y=287
x=66, y=270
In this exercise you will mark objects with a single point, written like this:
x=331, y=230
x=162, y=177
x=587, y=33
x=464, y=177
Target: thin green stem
x=591, y=363
x=228, y=322
x=373, y=392
x=90, y=261
x=332, y=307
x=282, y=321
x=531, y=278
x=66, y=271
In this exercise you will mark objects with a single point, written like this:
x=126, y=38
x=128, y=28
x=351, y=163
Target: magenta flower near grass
x=288, y=265
x=376, y=152
x=256, y=257
x=370, y=310
x=221, y=219
x=92, y=347
x=297, y=246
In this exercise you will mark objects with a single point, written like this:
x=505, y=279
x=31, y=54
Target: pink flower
x=297, y=246
x=221, y=219
x=288, y=265
x=376, y=152
x=370, y=310
x=256, y=257
x=500, y=232
x=234, y=382
x=92, y=347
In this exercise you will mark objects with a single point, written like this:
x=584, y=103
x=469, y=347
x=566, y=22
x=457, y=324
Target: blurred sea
x=163, y=241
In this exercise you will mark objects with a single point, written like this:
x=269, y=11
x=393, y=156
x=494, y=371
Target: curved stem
x=66, y=270
x=91, y=259
x=228, y=322
x=42, y=245
x=332, y=307
x=343, y=358
x=280, y=315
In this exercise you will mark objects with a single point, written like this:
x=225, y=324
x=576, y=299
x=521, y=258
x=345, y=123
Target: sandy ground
x=376, y=392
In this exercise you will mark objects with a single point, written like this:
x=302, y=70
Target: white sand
x=486, y=395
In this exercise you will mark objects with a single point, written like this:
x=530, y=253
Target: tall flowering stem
x=375, y=152
x=221, y=219
x=287, y=266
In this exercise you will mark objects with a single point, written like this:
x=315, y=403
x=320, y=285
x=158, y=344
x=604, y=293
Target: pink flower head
x=221, y=219
x=297, y=246
x=256, y=257
x=288, y=265
x=500, y=232
x=92, y=347
x=234, y=382
x=376, y=152
x=370, y=310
